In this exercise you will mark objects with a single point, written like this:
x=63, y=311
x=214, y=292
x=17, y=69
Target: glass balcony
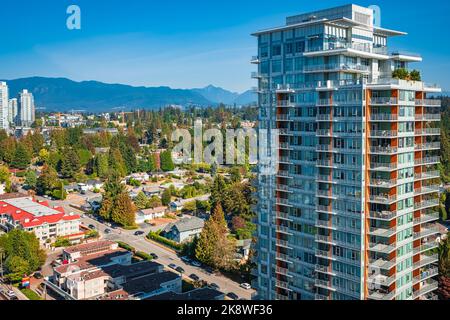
x=426, y=274
x=428, y=117
x=427, y=161
x=425, y=232
x=383, y=150
x=428, y=132
x=382, y=198
x=428, y=102
x=425, y=260
x=425, y=247
x=426, y=204
x=426, y=189
x=383, y=166
x=381, y=248
x=427, y=287
x=383, y=183
x=383, y=117
x=428, y=146
x=384, y=101
x=383, y=133
x=426, y=217
x=255, y=60
x=383, y=215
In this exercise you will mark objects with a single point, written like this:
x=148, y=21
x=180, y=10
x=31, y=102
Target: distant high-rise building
x=4, y=104
x=26, y=108
x=13, y=110
x=350, y=211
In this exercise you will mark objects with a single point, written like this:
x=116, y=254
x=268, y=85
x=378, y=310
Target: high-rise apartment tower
x=349, y=213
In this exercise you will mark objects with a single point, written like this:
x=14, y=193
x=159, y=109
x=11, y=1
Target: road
x=165, y=256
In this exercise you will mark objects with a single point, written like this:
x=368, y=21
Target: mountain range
x=61, y=94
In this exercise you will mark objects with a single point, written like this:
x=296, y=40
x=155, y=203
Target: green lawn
x=31, y=294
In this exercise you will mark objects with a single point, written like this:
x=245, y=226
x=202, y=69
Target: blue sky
x=185, y=43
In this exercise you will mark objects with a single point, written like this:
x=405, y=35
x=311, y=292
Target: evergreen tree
x=31, y=179
x=141, y=201
x=21, y=158
x=106, y=208
x=206, y=245
x=70, y=164
x=101, y=166
x=123, y=211
x=217, y=191
x=166, y=161
x=154, y=202
x=166, y=197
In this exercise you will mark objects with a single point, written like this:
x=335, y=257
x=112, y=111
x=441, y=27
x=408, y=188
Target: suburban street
x=165, y=256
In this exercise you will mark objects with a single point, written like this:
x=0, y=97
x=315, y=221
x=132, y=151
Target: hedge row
x=126, y=246
x=143, y=255
x=170, y=243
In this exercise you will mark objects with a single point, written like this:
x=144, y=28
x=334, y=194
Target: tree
x=21, y=158
x=106, y=208
x=31, y=179
x=141, y=201
x=235, y=174
x=23, y=253
x=8, y=149
x=444, y=269
x=213, y=247
x=47, y=181
x=101, y=166
x=217, y=191
x=151, y=163
x=154, y=202
x=70, y=164
x=415, y=75
x=219, y=218
x=123, y=211
x=5, y=177
x=166, y=161
x=43, y=156
x=400, y=73
x=166, y=197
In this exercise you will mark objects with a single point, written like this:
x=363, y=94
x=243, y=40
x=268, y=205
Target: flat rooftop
x=32, y=207
x=196, y=294
x=149, y=283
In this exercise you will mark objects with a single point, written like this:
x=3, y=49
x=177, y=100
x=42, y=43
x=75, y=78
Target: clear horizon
x=184, y=45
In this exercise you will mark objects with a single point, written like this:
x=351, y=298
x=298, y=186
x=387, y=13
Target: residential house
x=184, y=229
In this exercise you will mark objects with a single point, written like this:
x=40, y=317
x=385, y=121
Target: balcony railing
x=427, y=161
x=383, y=117
x=425, y=247
x=383, y=133
x=425, y=232
x=384, y=150
x=428, y=102
x=425, y=260
x=429, y=286
x=428, y=117
x=427, y=175
x=428, y=146
x=384, y=101
x=428, y=131
x=426, y=204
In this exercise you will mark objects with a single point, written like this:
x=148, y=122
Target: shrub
x=62, y=242
x=170, y=243
x=126, y=246
x=143, y=255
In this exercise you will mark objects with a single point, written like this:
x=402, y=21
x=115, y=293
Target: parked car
x=214, y=286
x=91, y=226
x=154, y=255
x=209, y=270
x=173, y=266
x=11, y=295
x=38, y=275
x=245, y=286
x=195, y=263
x=179, y=269
x=232, y=296
x=186, y=260
x=139, y=233
x=108, y=231
x=194, y=277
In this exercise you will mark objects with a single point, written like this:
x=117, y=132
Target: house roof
x=148, y=283
x=196, y=294
x=186, y=224
x=30, y=213
x=152, y=210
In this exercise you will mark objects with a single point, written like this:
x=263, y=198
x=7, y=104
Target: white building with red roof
x=46, y=222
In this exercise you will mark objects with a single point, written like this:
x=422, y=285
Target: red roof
x=28, y=220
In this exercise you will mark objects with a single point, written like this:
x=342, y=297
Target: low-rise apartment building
x=47, y=223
